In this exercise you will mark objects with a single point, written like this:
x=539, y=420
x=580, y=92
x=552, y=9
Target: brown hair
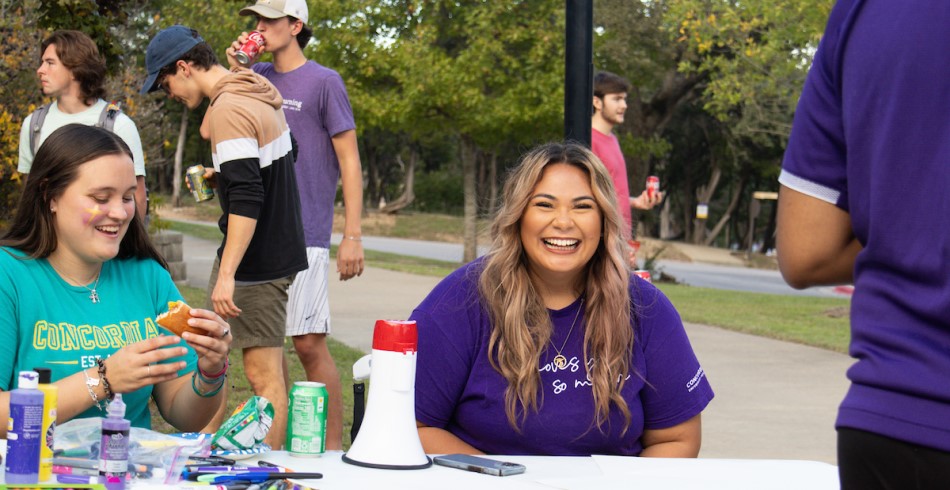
x=79, y=53
x=200, y=55
x=55, y=167
x=521, y=325
x=606, y=83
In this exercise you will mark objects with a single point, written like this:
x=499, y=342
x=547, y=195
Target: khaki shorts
x=263, y=318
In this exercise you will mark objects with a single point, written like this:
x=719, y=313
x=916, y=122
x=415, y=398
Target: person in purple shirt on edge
x=547, y=345
x=864, y=186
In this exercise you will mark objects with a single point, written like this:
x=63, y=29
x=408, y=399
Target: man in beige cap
x=319, y=115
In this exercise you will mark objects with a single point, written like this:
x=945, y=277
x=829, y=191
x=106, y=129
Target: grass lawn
x=819, y=322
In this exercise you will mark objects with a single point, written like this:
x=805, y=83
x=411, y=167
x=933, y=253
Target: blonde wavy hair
x=521, y=326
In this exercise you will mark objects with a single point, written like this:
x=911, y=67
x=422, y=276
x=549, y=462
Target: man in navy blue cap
x=253, y=155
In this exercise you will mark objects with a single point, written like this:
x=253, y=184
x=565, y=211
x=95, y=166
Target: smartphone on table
x=479, y=464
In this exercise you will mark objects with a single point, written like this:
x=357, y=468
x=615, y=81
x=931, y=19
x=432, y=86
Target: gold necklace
x=93, y=295
x=560, y=361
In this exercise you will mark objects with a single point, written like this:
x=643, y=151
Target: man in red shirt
x=610, y=104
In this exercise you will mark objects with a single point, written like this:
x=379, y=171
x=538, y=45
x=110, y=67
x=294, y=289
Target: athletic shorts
x=263, y=311
x=308, y=308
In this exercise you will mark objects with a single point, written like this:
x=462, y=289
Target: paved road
x=738, y=279
x=693, y=274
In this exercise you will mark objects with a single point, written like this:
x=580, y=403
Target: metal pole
x=578, y=70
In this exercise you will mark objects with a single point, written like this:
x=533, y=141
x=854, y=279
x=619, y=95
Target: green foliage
x=439, y=192
x=431, y=74
x=20, y=91
x=156, y=223
x=758, y=53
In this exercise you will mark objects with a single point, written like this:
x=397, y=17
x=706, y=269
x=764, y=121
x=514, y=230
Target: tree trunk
x=493, y=184
x=469, y=170
x=728, y=214
x=703, y=196
x=769, y=240
x=179, y=155
x=408, y=194
x=481, y=183
x=666, y=230
x=371, y=196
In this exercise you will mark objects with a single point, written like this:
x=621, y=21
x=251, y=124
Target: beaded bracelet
x=211, y=377
x=110, y=395
x=354, y=238
x=92, y=392
x=194, y=386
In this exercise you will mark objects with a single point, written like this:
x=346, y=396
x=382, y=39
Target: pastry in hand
x=176, y=319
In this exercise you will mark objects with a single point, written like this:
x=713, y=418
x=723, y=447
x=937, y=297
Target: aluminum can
x=644, y=274
x=250, y=49
x=307, y=419
x=653, y=186
x=195, y=175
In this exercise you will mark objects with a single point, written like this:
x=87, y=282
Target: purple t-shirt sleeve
x=441, y=372
x=338, y=115
x=815, y=158
x=677, y=388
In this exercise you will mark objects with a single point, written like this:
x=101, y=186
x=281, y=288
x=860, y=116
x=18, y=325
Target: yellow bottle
x=50, y=401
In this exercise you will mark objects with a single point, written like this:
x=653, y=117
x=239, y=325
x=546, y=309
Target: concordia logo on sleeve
x=691, y=385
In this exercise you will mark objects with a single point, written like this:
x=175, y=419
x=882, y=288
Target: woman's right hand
x=136, y=365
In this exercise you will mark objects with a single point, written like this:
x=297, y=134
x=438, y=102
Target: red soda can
x=644, y=274
x=653, y=186
x=250, y=49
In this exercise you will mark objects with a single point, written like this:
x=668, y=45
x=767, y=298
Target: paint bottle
x=114, y=447
x=24, y=430
x=50, y=401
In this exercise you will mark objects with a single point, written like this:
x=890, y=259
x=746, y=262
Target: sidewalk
x=774, y=400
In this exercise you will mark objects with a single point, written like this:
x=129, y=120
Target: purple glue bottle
x=24, y=430
x=114, y=447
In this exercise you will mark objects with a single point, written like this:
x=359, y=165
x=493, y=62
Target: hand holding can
x=653, y=186
x=251, y=48
x=198, y=184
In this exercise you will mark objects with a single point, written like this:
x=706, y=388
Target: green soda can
x=307, y=420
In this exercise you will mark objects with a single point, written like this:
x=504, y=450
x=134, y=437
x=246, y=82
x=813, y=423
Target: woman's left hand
x=212, y=349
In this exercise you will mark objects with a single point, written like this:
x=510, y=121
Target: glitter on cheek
x=94, y=215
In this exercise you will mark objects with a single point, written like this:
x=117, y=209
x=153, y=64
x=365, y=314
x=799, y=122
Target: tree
x=744, y=62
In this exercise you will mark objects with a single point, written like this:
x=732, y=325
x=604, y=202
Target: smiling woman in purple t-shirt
x=546, y=345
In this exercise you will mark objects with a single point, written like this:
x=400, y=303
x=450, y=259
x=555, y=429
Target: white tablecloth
x=596, y=472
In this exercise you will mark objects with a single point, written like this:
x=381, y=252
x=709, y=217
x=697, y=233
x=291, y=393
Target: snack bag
x=246, y=427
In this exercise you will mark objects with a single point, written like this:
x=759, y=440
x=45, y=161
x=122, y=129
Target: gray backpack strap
x=36, y=124
x=108, y=116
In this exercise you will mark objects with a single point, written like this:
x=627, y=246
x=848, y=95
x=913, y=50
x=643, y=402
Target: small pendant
x=560, y=361
x=94, y=296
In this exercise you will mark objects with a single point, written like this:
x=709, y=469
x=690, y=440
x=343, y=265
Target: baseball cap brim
x=263, y=11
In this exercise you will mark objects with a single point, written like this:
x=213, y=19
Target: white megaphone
x=388, y=437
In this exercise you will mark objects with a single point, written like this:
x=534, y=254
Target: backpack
x=106, y=121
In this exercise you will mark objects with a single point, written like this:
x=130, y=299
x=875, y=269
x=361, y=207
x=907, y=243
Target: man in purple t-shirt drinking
x=319, y=115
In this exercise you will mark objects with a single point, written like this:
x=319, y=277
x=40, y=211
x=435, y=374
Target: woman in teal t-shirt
x=81, y=284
